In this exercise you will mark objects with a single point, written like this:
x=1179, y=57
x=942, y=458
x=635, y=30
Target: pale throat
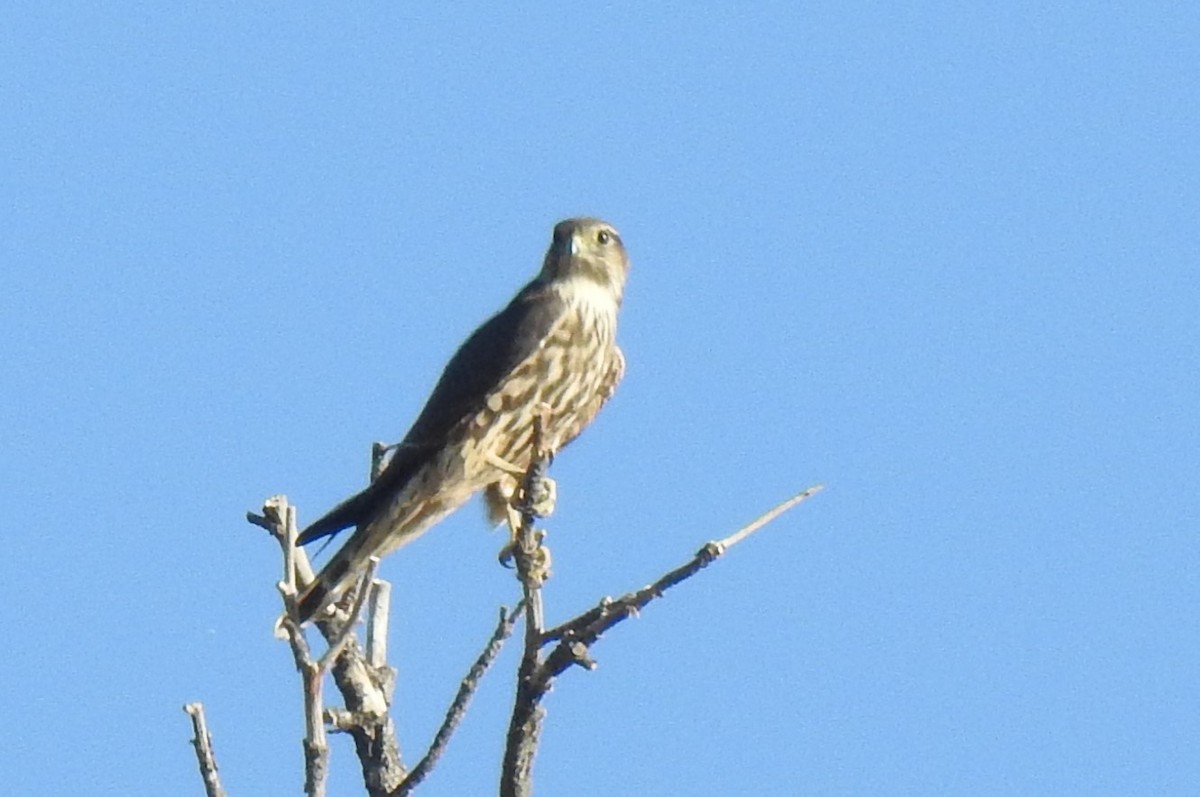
x=587, y=296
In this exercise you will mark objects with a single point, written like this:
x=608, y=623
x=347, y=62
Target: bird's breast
x=561, y=378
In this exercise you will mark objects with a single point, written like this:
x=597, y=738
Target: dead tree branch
x=204, y=752
x=588, y=626
x=366, y=682
x=365, y=689
x=458, y=709
x=364, y=679
x=575, y=637
x=532, y=561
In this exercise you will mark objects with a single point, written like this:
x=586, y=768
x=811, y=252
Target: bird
x=550, y=353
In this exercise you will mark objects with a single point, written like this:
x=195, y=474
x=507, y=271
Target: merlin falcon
x=551, y=353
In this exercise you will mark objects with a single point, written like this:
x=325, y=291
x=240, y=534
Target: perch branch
x=576, y=636
x=365, y=680
x=525, y=724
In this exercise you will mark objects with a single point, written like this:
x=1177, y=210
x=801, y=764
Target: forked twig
x=365, y=689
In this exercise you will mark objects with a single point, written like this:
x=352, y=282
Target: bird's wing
x=479, y=366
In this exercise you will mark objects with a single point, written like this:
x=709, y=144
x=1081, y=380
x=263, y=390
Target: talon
x=539, y=565
x=507, y=556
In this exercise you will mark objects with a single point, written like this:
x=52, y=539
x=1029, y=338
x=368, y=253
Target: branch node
x=709, y=553
x=365, y=689
x=581, y=655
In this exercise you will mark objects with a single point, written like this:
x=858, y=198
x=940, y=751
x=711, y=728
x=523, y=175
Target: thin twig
x=766, y=517
x=705, y=556
x=458, y=708
x=316, y=746
x=575, y=636
x=531, y=556
x=290, y=535
x=338, y=643
x=204, y=752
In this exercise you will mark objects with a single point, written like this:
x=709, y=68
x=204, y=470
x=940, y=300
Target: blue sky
x=942, y=259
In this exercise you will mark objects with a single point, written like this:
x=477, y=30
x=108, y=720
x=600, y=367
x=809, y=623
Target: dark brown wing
x=480, y=365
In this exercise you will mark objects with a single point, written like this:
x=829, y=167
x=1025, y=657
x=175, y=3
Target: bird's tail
x=348, y=563
x=379, y=535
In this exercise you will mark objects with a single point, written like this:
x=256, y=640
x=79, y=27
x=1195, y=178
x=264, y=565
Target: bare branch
x=378, y=617
x=530, y=555
x=458, y=708
x=290, y=535
x=365, y=693
x=525, y=725
x=365, y=690
x=316, y=747
x=765, y=518
x=204, y=752
x=575, y=636
x=339, y=642
x=365, y=680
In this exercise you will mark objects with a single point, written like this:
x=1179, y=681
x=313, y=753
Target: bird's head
x=589, y=249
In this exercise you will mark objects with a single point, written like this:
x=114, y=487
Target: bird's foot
x=537, y=502
x=539, y=559
x=539, y=565
x=542, y=496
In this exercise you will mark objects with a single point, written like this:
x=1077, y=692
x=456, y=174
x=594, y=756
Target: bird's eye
x=603, y=237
